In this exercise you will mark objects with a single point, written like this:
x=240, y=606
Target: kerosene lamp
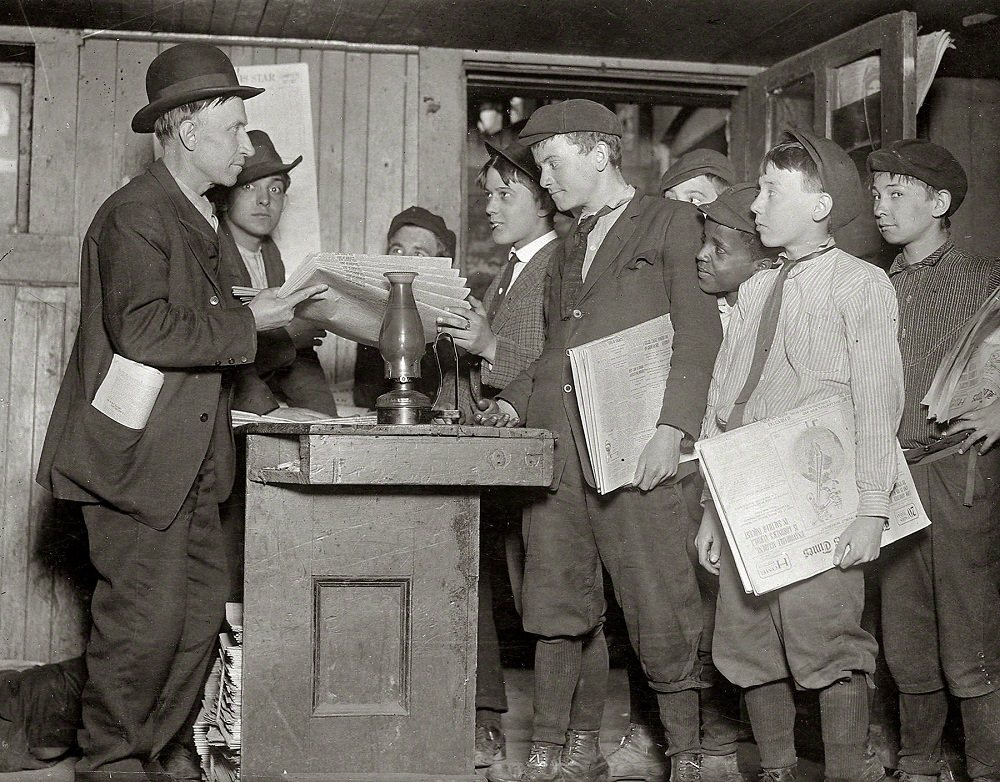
x=401, y=343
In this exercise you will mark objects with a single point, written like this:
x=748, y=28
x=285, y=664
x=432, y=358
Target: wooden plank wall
x=369, y=117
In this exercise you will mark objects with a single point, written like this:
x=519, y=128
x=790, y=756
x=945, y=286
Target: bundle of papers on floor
x=620, y=380
x=358, y=292
x=217, y=731
x=785, y=491
x=969, y=376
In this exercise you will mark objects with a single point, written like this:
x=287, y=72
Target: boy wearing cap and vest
x=698, y=177
x=502, y=336
x=730, y=254
x=823, y=325
x=940, y=587
x=628, y=260
x=152, y=287
x=287, y=367
x=414, y=231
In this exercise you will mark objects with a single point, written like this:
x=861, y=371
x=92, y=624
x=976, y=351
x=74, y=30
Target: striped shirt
x=937, y=296
x=836, y=335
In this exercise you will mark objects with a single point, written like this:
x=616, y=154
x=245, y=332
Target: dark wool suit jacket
x=644, y=268
x=280, y=372
x=150, y=291
x=519, y=325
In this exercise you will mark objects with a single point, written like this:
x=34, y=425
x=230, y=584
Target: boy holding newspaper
x=823, y=325
x=941, y=587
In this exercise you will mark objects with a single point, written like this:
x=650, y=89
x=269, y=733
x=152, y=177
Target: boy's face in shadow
x=724, y=261
x=513, y=211
x=784, y=210
x=413, y=240
x=697, y=190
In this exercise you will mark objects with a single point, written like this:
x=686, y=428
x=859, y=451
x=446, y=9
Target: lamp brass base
x=403, y=406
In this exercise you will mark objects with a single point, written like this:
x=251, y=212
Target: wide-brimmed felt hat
x=569, y=116
x=732, y=207
x=265, y=161
x=926, y=161
x=424, y=218
x=837, y=172
x=186, y=73
x=518, y=155
x=695, y=163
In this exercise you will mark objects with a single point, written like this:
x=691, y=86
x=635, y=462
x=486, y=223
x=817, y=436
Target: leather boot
x=581, y=759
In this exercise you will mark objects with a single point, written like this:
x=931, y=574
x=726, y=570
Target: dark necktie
x=506, y=278
x=765, y=338
x=572, y=275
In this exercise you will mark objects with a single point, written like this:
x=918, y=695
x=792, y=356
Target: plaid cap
x=926, y=161
x=732, y=207
x=576, y=114
x=695, y=163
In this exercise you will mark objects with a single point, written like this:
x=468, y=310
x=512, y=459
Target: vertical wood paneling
x=241, y=55
x=353, y=190
x=53, y=152
x=411, y=132
x=313, y=58
x=95, y=144
x=264, y=55
x=384, y=177
x=133, y=151
x=8, y=524
x=330, y=160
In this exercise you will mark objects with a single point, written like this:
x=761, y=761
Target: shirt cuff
x=872, y=502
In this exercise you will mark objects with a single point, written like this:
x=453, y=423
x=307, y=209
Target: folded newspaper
x=785, y=490
x=358, y=291
x=620, y=380
x=218, y=729
x=969, y=375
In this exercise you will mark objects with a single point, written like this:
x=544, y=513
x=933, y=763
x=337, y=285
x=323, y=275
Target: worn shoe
x=906, y=776
x=873, y=771
x=720, y=768
x=581, y=758
x=786, y=774
x=491, y=746
x=639, y=757
x=685, y=767
x=543, y=764
x=181, y=762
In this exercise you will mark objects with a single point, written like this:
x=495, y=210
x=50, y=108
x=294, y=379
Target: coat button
x=232, y=360
x=243, y=359
x=203, y=417
x=577, y=314
x=214, y=301
x=568, y=388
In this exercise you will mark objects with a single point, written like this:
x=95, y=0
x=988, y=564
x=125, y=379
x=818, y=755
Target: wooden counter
x=361, y=568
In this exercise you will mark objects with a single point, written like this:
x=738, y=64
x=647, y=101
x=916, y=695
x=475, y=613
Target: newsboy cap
x=576, y=114
x=695, y=163
x=732, y=207
x=186, y=73
x=926, y=161
x=422, y=218
x=837, y=172
x=265, y=161
x=518, y=155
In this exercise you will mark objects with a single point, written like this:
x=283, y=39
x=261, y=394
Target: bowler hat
x=926, y=161
x=423, y=218
x=265, y=161
x=186, y=73
x=518, y=155
x=569, y=116
x=695, y=163
x=732, y=207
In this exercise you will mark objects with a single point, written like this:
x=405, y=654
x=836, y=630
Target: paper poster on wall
x=284, y=112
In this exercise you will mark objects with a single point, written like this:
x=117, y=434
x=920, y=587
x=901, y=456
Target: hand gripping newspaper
x=785, y=490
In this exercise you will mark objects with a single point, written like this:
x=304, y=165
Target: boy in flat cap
x=414, y=231
x=697, y=177
x=287, y=367
x=730, y=254
x=823, y=325
x=151, y=291
x=502, y=336
x=940, y=587
x=627, y=261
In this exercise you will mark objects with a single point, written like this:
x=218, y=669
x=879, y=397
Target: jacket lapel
x=616, y=239
x=273, y=267
x=201, y=239
x=526, y=283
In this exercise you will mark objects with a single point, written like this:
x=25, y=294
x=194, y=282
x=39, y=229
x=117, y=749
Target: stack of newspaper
x=620, y=380
x=785, y=491
x=243, y=417
x=358, y=291
x=217, y=731
x=969, y=376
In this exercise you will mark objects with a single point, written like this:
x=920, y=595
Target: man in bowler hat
x=151, y=292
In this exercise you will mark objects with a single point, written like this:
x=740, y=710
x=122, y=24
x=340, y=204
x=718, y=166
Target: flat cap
x=567, y=117
x=423, y=218
x=732, y=207
x=926, y=161
x=837, y=172
x=695, y=163
x=518, y=155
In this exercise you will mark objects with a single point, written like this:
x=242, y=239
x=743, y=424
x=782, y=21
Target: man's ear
x=601, y=155
x=942, y=203
x=188, y=134
x=822, y=207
